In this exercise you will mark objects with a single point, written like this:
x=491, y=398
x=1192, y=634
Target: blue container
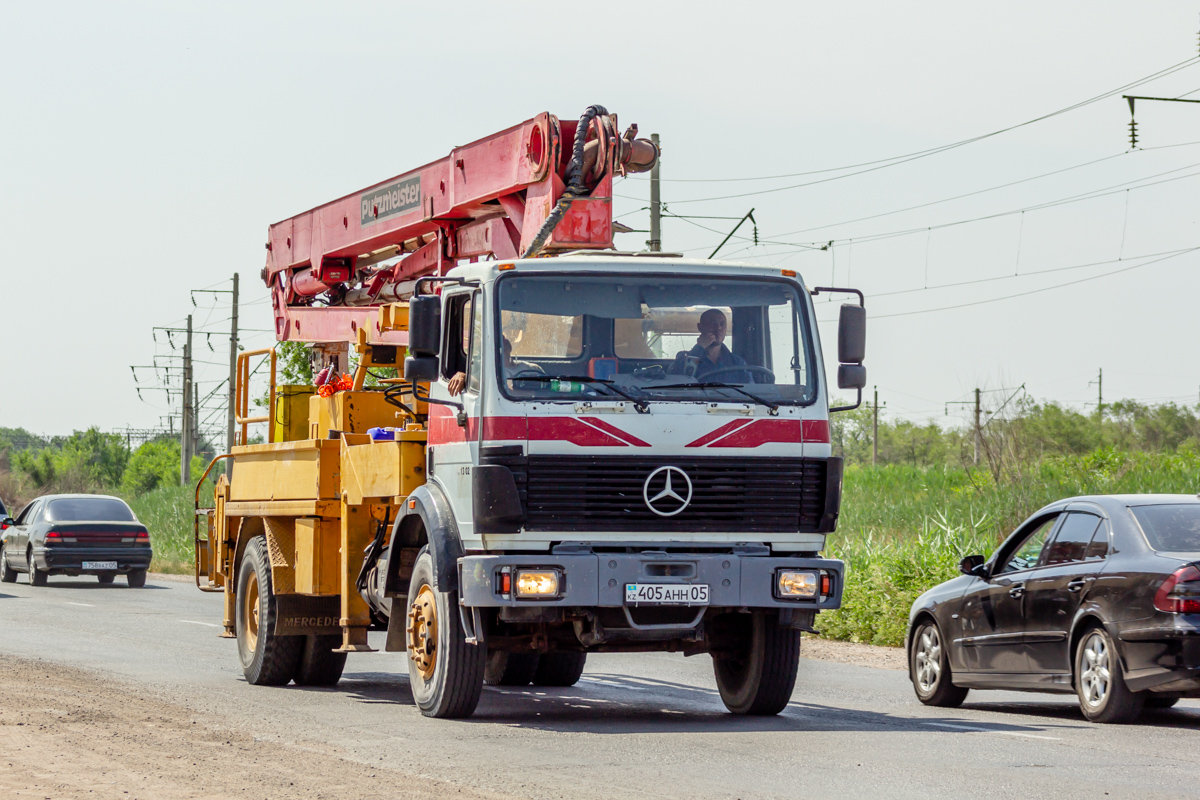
x=382, y=434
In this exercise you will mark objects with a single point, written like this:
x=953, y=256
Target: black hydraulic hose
x=575, y=182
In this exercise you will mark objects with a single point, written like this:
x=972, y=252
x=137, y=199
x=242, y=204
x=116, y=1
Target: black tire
x=510, y=669
x=319, y=665
x=758, y=680
x=267, y=659
x=929, y=668
x=1100, y=681
x=559, y=669
x=106, y=577
x=7, y=573
x=136, y=578
x=445, y=673
x=1160, y=702
x=36, y=576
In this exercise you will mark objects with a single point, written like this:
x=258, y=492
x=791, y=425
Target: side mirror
x=424, y=326
x=7, y=522
x=422, y=369
x=852, y=335
x=973, y=565
x=852, y=376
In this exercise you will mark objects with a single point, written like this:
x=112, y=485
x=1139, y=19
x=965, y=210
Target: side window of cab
x=456, y=334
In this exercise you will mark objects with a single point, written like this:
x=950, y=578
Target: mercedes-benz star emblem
x=667, y=501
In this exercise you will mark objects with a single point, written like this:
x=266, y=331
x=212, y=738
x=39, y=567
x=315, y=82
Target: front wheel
x=757, y=676
x=444, y=672
x=929, y=668
x=7, y=573
x=1100, y=681
x=267, y=658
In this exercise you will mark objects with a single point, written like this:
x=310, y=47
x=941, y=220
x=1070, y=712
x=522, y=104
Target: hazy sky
x=145, y=147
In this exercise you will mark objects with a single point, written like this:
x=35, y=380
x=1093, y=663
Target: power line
x=872, y=166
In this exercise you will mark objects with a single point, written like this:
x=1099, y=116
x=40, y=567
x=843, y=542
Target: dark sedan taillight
x=1180, y=593
x=143, y=537
x=53, y=536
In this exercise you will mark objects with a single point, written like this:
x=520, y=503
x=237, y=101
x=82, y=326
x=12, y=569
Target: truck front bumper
x=598, y=580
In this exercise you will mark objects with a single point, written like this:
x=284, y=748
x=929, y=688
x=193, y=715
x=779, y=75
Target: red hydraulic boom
x=539, y=187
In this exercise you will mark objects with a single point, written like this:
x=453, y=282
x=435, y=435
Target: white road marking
x=990, y=730
x=88, y=605
x=205, y=624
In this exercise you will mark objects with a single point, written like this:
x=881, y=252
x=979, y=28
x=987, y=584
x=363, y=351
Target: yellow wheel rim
x=251, y=611
x=423, y=631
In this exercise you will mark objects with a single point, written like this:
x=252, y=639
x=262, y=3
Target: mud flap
x=303, y=615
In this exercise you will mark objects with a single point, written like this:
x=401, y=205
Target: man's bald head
x=712, y=327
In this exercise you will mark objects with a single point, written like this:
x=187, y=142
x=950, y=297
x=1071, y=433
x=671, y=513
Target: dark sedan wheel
x=7, y=573
x=929, y=666
x=1100, y=681
x=136, y=578
x=106, y=577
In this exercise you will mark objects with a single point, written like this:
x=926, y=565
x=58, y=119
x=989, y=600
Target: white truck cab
x=625, y=453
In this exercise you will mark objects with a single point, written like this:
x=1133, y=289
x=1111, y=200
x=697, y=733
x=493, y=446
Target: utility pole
x=185, y=432
x=1099, y=394
x=655, y=243
x=978, y=430
x=233, y=354
x=875, y=429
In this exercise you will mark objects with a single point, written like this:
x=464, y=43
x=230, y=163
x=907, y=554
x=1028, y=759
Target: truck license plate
x=666, y=594
x=99, y=565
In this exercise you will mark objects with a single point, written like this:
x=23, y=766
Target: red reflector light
x=1180, y=593
x=506, y=583
x=826, y=584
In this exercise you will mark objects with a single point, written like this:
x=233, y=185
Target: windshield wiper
x=639, y=404
x=718, y=385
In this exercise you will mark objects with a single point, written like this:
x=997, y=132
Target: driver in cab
x=710, y=353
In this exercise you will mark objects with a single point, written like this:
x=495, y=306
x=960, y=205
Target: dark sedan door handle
x=1076, y=586
x=1017, y=591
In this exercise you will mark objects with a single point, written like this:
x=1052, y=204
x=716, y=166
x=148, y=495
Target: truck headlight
x=792, y=583
x=538, y=583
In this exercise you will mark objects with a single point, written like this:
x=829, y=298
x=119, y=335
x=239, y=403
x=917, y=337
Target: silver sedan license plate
x=99, y=565
x=666, y=594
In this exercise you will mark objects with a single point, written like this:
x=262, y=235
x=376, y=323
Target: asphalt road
x=647, y=725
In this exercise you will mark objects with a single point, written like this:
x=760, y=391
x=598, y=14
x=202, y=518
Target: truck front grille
x=729, y=495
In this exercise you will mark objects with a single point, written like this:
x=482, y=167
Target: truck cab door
x=456, y=446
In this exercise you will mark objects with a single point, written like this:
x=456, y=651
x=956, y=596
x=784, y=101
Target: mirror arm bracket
x=857, y=403
x=460, y=417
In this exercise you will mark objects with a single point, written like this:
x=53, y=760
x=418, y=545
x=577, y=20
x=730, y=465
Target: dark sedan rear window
x=89, y=509
x=1172, y=529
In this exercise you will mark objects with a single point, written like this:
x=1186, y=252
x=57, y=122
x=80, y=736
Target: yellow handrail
x=196, y=522
x=242, y=396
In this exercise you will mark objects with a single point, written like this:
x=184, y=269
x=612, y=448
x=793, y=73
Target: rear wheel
x=929, y=668
x=559, y=669
x=444, y=672
x=1100, y=681
x=757, y=678
x=136, y=578
x=36, y=576
x=267, y=658
x=105, y=577
x=319, y=665
x=7, y=573
x=510, y=669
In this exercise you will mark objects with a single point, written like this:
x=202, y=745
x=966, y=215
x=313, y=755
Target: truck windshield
x=660, y=339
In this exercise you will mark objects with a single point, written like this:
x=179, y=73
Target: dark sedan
x=75, y=534
x=1097, y=596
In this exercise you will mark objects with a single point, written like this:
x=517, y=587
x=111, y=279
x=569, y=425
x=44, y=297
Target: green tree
x=155, y=464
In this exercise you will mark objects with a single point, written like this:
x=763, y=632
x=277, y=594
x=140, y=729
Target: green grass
x=167, y=513
x=904, y=529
